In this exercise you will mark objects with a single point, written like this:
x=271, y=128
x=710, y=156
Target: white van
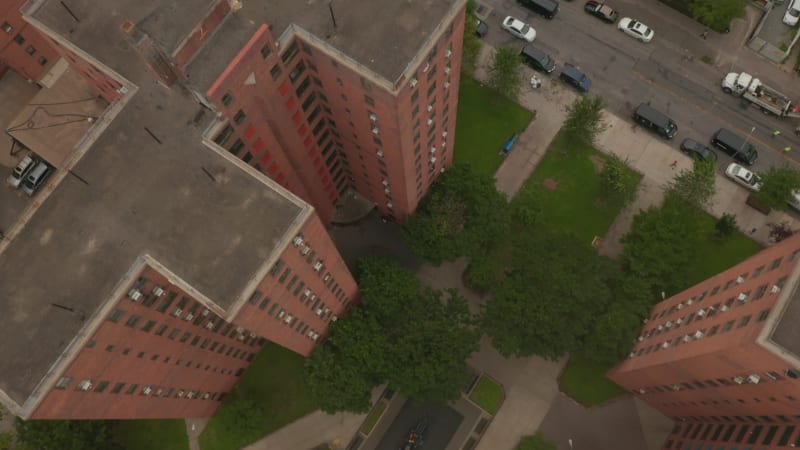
x=36, y=177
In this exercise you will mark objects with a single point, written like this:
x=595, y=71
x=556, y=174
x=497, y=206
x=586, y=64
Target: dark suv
x=735, y=145
x=571, y=75
x=537, y=59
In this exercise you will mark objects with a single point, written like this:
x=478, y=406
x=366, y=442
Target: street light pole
x=570, y=443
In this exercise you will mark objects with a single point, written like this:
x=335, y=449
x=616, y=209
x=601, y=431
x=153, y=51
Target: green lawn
x=372, y=418
x=275, y=382
x=485, y=122
x=726, y=253
x=577, y=203
x=167, y=434
x=586, y=382
x=488, y=395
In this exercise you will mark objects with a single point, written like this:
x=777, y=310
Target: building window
x=131, y=322
x=63, y=382
x=162, y=329
x=266, y=50
x=289, y=54
x=298, y=70
x=19, y=39
x=42, y=61
x=31, y=50
x=368, y=100
x=791, y=373
x=117, y=388
x=239, y=117
x=275, y=72
x=116, y=316
x=227, y=99
x=728, y=325
x=762, y=316
x=7, y=27
x=775, y=264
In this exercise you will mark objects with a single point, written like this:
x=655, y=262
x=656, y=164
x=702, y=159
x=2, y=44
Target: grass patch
x=275, y=382
x=727, y=252
x=585, y=381
x=167, y=434
x=577, y=203
x=488, y=395
x=372, y=418
x=485, y=122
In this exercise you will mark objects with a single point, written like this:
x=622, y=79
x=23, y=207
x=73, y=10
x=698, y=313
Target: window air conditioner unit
x=687, y=338
x=448, y=53
x=430, y=122
x=210, y=325
x=135, y=294
x=315, y=337
x=188, y=317
x=85, y=385
x=676, y=387
x=775, y=289
x=723, y=308
x=385, y=182
x=389, y=205
x=739, y=280
x=306, y=250
x=701, y=313
x=413, y=82
x=444, y=143
x=158, y=291
x=640, y=338
x=742, y=297
x=427, y=67
x=738, y=380
x=433, y=149
x=376, y=131
x=680, y=306
x=373, y=117
x=441, y=170
x=288, y=318
x=387, y=191
x=147, y=390
x=334, y=318
x=446, y=84
x=379, y=154
x=645, y=320
x=444, y=134
x=319, y=311
x=753, y=379
x=668, y=324
x=310, y=333
x=180, y=393
x=318, y=266
x=306, y=293
x=631, y=354
x=328, y=276
x=660, y=327
x=430, y=108
x=177, y=312
x=689, y=302
x=447, y=70
x=698, y=334
x=433, y=159
x=665, y=344
x=678, y=321
x=298, y=241
x=642, y=391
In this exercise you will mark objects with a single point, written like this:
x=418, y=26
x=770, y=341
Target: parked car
x=743, y=176
x=795, y=202
x=22, y=169
x=734, y=145
x=792, y=13
x=636, y=29
x=519, y=29
x=537, y=59
x=601, y=11
x=481, y=28
x=36, y=177
x=697, y=150
x=571, y=75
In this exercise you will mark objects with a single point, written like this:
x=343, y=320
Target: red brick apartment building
x=200, y=148
x=722, y=357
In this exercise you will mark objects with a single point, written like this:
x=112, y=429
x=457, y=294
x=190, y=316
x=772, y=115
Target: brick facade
x=22, y=47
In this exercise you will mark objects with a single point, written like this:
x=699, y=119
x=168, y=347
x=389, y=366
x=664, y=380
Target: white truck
x=767, y=99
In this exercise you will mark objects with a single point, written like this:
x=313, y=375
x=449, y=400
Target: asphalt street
x=667, y=72
x=442, y=423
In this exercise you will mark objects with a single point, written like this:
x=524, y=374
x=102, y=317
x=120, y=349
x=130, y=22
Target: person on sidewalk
x=704, y=34
x=776, y=133
x=674, y=164
x=787, y=149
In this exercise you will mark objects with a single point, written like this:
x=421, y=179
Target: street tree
x=695, y=186
x=618, y=179
x=584, y=119
x=461, y=216
x=63, y=434
x=416, y=339
x=777, y=185
x=546, y=308
x=505, y=72
x=725, y=226
x=716, y=14
x=536, y=442
x=472, y=44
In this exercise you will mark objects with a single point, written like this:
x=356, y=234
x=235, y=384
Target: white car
x=744, y=177
x=519, y=29
x=792, y=13
x=795, y=202
x=636, y=29
x=22, y=169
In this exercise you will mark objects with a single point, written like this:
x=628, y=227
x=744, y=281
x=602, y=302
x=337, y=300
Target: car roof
x=533, y=52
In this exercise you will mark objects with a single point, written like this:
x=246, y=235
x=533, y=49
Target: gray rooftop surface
x=383, y=35
x=786, y=332
x=139, y=197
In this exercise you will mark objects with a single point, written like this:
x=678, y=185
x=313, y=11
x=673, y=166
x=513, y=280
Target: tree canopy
x=585, y=119
x=63, y=434
x=716, y=14
x=461, y=216
x=472, y=44
x=555, y=288
x=777, y=185
x=505, y=72
x=414, y=338
x=695, y=186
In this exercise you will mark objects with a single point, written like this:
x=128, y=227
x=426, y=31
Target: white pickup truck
x=767, y=99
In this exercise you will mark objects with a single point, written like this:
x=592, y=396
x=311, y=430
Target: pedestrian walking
x=705, y=34
x=787, y=149
x=752, y=231
x=674, y=164
x=776, y=133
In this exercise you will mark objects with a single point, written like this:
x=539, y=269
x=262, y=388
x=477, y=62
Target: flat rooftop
x=383, y=35
x=146, y=186
x=786, y=333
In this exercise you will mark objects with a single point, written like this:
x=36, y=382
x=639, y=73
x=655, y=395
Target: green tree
x=505, y=72
x=619, y=179
x=414, y=338
x=462, y=216
x=547, y=308
x=245, y=416
x=472, y=44
x=536, y=442
x=695, y=186
x=584, y=119
x=62, y=434
x=482, y=273
x=777, y=185
x=725, y=226
x=716, y=14
x=661, y=243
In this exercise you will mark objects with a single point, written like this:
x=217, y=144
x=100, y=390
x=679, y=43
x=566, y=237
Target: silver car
x=22, y=169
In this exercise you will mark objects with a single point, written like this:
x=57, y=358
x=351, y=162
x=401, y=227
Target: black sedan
x=601, y=11
x=481, y=28
x=697, y=150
